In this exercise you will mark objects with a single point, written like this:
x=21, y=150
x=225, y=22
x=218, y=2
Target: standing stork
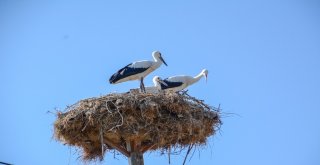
x=138, y=70
x=178, y=83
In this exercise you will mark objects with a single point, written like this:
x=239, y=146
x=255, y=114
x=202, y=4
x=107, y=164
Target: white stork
x=178, y=83
x=138, y=70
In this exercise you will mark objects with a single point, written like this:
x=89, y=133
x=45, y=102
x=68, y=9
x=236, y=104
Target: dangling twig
x=102, y=143
x=169, y=153
x=189, y=149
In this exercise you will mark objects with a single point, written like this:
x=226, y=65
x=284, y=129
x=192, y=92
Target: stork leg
x=143, y=89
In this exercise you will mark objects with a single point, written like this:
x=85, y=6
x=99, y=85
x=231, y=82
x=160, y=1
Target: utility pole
x=136, y=156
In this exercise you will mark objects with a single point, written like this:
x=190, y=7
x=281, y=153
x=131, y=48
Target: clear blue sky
x=263, y=59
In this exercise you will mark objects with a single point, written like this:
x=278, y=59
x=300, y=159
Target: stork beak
x=163, y=60
x=206, y=76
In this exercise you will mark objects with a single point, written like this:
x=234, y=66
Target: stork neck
x=197, y=78
x=157, y=61
x=156, y=84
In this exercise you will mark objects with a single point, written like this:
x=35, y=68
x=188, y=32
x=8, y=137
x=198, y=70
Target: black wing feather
x=169, y=84
x=125, y=72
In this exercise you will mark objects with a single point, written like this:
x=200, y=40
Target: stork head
x=205, y=74
x=157, y=55
x=156, y=81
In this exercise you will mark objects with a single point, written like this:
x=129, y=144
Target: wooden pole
x=136, y=156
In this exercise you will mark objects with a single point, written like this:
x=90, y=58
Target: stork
x=138, y=70
x=178, y=83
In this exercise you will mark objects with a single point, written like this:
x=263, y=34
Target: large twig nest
x=156, y=121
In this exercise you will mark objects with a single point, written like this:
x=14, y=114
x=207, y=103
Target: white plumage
x=137, y=70
x=178, y=83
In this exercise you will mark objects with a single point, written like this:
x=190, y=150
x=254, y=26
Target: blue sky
x=263, y=59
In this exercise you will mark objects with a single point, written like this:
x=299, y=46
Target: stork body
x=178, y=83
x=137, y=70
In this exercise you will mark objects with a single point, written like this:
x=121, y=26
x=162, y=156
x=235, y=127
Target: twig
x=196, y=100
x=48, y=112
x=118, y=125
x=85, y=126
x=185, y=158
x=102, y=143
x=169, y=154
x=108, y=106
x=193, y=153
x=183, y=92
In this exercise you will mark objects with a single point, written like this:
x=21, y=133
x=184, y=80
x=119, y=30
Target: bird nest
x=151, y=121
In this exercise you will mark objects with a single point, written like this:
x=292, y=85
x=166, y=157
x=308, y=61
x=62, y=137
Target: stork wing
x=169, y=84
x=126, y=71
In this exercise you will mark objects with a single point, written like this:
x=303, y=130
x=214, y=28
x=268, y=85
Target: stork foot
x=143, y=89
